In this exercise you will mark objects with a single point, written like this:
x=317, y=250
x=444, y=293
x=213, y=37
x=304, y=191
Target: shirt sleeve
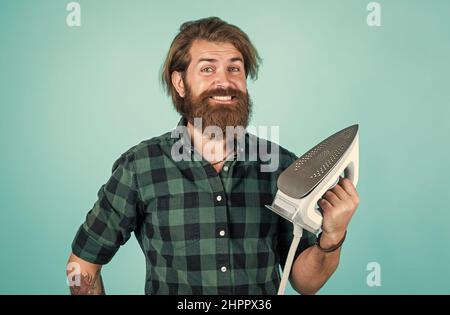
x=285, y=235
x=112, y=219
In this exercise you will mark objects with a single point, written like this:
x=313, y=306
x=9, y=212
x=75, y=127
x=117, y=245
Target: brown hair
x=211, y=29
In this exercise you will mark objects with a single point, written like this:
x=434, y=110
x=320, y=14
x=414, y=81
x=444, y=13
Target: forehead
x=219, y=50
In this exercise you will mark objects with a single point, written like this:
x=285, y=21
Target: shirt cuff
x=87, y=248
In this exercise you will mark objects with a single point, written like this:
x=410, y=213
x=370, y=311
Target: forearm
x=84, y=278
x=313, y=268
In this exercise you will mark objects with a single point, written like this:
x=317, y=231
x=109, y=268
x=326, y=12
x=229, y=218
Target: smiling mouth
x=223, y=98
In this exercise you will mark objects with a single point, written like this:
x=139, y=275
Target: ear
x=177, y=82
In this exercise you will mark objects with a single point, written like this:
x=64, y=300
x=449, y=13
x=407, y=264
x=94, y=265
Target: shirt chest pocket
x=176, y=220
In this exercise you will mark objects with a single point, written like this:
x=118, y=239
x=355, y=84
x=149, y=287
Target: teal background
x=73, y=99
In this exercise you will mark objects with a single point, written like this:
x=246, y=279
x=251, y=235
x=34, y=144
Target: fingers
x=331, y=198
x=325, y=204
x=350, y=189
x=348, y=186
x=343, y=191
x=340, y=192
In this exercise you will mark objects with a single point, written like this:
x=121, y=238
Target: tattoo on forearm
x=89, y=285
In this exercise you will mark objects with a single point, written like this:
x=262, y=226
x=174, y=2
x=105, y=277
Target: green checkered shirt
x=202, y=232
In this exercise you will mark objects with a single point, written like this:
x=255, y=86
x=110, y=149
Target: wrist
x=329, y=242
x=331, y=239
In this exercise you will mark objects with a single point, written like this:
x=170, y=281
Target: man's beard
x=220, y=115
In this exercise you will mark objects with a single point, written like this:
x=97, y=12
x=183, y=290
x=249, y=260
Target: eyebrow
x=234, y=59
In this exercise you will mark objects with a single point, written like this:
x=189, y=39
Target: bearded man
x=194, y=197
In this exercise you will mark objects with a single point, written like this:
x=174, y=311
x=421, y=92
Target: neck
x=213, y=150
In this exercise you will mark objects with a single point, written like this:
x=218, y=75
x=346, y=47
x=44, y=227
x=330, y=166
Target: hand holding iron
x=299, y=187
x=338, y=205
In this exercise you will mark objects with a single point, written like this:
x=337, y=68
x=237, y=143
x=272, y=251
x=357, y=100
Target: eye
x=207, y=69
x=234, y=69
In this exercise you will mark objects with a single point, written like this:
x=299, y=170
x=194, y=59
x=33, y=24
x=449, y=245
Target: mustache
x=216, y=115
x=223, y=92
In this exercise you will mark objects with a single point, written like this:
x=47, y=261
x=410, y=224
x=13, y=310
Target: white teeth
x=222, y=98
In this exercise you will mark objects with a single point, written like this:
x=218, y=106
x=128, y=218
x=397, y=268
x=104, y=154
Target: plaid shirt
x=202, y=232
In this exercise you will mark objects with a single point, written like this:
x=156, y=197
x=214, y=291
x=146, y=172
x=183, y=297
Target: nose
x=221, y=79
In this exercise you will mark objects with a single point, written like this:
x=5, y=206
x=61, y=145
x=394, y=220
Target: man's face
x=214, y=87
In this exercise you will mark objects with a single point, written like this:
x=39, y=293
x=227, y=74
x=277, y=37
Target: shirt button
x=225, y=168
x=219, y=198
x=222, y=233
x=223, y=269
